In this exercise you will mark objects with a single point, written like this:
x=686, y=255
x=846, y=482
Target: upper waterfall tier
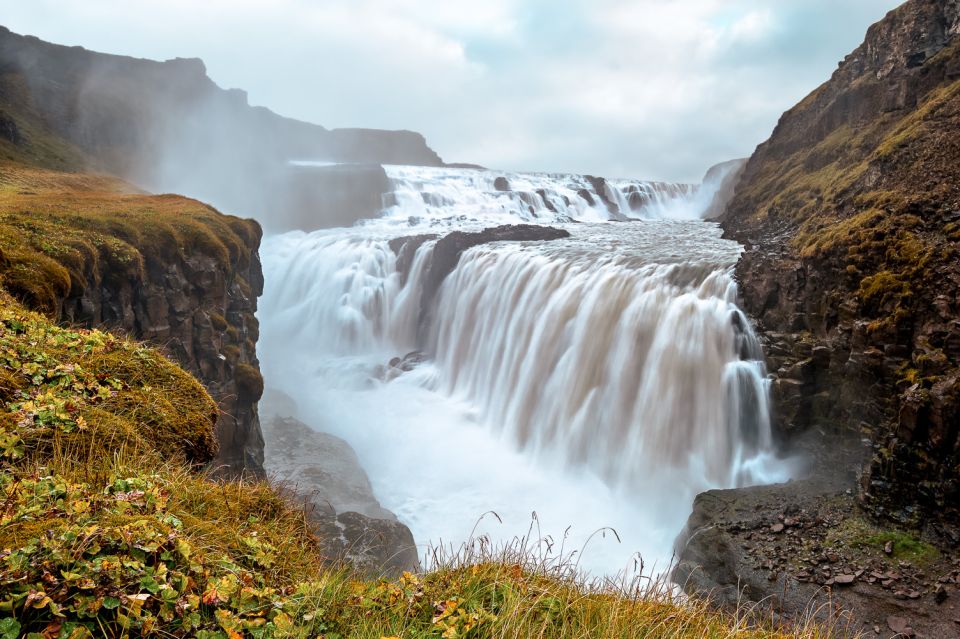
x=436, y=195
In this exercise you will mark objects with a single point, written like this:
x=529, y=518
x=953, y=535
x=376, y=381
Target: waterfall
x=432, y=195
x=623, y=369
x=599, y=380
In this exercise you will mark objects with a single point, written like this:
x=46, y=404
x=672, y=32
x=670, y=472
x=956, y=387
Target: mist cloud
x=642, y=88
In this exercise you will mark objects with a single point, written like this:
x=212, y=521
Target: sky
x=654, y=89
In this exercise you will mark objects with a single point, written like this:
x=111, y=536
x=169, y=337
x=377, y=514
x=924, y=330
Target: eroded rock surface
x=322, y=472
x=200, y=310
x=850, y=214
x=449, y=248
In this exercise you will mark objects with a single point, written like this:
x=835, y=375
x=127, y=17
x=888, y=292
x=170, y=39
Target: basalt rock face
x=850, y=214
x=169, y=128
x=201, y=312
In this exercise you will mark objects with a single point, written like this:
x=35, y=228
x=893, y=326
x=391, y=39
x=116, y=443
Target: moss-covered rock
x=91, y=250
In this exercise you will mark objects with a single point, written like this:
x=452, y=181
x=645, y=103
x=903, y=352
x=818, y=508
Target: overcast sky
x=624, y=88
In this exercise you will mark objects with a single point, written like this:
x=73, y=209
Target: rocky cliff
x=322, y=472
x=168, y=127
x=91, y=251
x=850, y=217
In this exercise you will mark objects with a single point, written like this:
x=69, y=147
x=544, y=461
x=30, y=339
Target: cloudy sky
x=631, y=88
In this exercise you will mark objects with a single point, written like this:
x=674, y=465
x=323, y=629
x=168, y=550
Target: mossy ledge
x=92, y=250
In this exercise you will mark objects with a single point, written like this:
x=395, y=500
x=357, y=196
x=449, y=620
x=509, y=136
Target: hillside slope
x=850, y=217
x=93, y=251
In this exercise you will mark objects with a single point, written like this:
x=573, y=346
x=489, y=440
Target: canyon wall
x=91, y=251
x=200, y=311
x=850, y=214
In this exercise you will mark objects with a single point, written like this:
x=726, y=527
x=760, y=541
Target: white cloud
x=651, y=88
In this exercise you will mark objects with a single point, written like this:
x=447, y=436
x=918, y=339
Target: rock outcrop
x=446, y=254
x=322, y=471
x=91, y=251
x=201, y=312
x=169, y=128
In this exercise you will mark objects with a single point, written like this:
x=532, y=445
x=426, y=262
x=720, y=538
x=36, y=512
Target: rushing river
x=599, y=381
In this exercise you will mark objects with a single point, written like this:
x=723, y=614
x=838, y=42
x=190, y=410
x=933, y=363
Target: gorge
x=745, y=389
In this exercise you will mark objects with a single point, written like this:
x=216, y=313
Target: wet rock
x=501, y=184
x=399, y=365
x=405, y=248
x=321, y=472
x=587, y=196
x=599, y=185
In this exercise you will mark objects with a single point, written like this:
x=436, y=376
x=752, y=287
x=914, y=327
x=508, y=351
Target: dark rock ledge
x=807, y=548
x=322, y=473
x=447, y=252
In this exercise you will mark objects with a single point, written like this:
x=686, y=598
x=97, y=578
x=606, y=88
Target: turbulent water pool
x=599, y=381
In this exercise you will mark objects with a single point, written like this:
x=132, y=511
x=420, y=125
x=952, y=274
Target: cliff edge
x=92, y=251
x=167, y=127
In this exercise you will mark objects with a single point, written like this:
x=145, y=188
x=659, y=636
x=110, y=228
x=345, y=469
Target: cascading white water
x=624, y=368
x=431, y=195
x=600, y=380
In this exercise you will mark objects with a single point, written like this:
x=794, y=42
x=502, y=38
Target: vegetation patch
x=249, y=381
x=60, y=232
x=80, y=388
x=862, y=535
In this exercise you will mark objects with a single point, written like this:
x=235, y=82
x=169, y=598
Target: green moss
x=859, y=534
x=218, y=322
x=249, y=381
x=905, y=546
x=882, y=288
